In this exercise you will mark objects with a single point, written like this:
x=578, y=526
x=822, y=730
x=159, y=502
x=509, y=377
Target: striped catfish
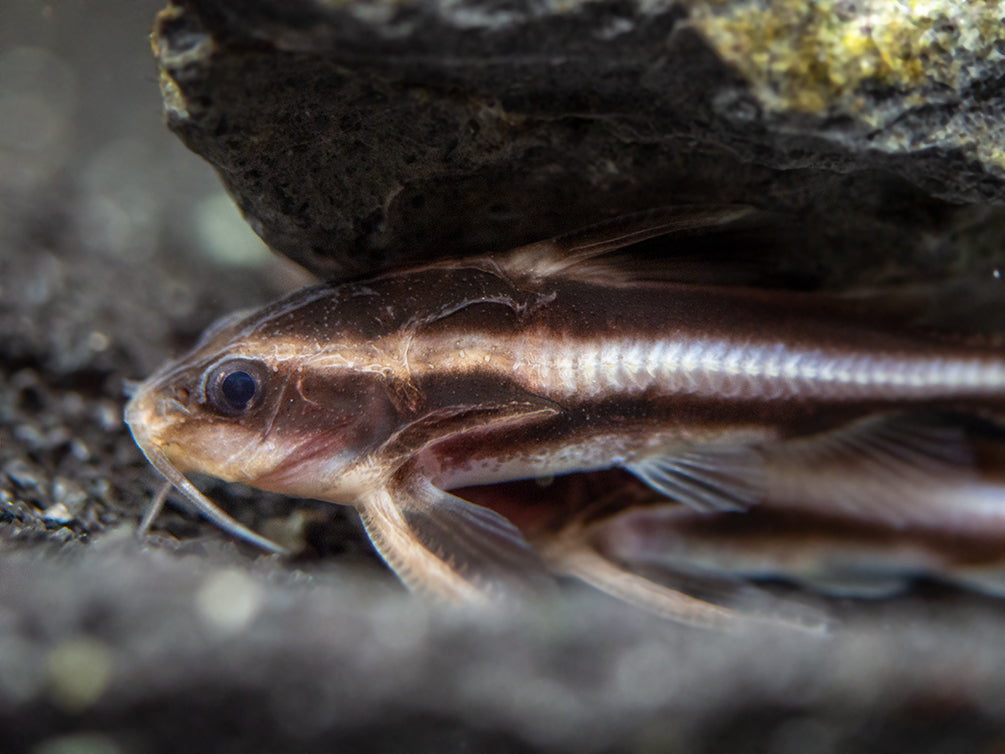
x=387, y=393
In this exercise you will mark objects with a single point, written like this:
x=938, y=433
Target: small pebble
x=30, y=435
x=25, y=378
x=72, y=404
x=69, y=494
x=23, y=474
x=108, y=416
x=57, y=514
x=79, y=450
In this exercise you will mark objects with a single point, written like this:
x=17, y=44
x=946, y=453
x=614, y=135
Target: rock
x=361, y=134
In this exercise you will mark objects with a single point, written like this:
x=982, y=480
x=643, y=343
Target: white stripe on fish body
x=708, y=367
x=718, y=368
x=567, y=369
x=586, y=369
x=652, y=364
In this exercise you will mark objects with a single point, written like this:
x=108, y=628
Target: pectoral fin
x=438, y=543
x=706, y=477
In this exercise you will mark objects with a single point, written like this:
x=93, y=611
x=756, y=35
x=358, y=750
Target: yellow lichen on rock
x=816, y=56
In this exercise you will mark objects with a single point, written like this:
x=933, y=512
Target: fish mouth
x=145, y=414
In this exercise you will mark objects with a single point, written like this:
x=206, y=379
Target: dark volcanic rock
x=361, y=134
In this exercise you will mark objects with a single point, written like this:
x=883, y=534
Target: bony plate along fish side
x=387, y=393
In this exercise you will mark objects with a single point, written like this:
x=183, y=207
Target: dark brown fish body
x=384, y=393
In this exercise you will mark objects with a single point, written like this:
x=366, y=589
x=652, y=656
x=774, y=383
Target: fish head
x=276, y=410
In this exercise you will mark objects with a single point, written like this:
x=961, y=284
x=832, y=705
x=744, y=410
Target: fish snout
x=150, y=413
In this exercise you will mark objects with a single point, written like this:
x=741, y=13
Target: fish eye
x=236, y=386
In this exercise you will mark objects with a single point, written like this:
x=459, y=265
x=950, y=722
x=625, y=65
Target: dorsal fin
x=576, y=255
